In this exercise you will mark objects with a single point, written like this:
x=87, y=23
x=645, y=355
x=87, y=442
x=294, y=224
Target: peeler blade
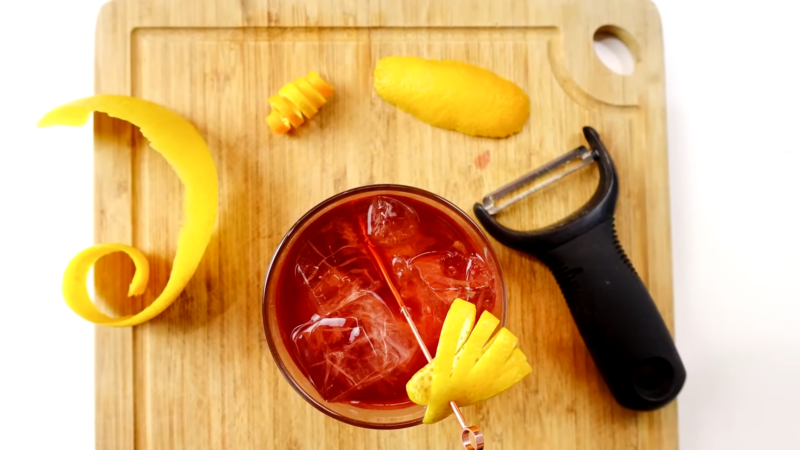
x=581, y=154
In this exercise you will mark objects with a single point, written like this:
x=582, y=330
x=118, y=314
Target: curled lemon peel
x=472, y=367
x=298, y=101
x=179, y=142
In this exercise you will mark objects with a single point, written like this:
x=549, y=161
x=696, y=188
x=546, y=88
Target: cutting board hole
x=610, y=46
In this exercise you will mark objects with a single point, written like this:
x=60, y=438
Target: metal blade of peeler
x=585, y=155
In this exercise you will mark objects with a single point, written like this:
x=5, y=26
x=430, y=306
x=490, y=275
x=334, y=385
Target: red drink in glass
x=335, y=313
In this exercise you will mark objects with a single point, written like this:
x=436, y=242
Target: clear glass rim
x=282, y=246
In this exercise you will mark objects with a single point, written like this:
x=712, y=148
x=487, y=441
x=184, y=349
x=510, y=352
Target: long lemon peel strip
x=478, y=371
x=186, y=151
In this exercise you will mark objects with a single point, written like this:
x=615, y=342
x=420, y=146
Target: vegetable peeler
x=617, y=319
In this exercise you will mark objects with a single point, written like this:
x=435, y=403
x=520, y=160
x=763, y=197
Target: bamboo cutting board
x=200, y=376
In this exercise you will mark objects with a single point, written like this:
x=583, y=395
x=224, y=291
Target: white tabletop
x=733, y=80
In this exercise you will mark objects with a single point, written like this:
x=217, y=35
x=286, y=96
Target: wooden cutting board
x=200, y=376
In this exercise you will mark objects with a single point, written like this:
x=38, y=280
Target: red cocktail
x=330, y=311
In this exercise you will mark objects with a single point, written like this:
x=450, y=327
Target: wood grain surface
x=200, y=376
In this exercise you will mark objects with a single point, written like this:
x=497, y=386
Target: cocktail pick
x=469, y=434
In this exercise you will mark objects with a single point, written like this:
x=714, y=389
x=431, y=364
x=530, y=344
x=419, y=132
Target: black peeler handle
x=618, y=320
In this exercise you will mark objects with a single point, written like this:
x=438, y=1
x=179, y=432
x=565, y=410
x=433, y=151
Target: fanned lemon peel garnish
x=469, y=367
x=186, y=151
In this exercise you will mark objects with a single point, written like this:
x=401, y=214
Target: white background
x=732, y=84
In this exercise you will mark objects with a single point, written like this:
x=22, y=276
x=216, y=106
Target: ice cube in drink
x=337, y=313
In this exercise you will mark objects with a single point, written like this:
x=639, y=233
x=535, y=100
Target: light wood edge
x=114, y=360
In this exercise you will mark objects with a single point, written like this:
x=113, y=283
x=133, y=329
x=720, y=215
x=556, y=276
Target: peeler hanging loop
x=617, y=319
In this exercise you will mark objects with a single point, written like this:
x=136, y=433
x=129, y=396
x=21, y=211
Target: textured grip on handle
x=617, y=318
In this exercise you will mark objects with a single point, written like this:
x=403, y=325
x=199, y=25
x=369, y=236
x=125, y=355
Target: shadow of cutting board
x=200, y=376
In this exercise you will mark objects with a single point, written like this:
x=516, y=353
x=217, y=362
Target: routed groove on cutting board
x=200, y=376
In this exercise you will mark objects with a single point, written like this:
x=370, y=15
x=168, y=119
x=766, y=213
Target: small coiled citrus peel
x=469, y=367
x=186, y=151
x=298, y=101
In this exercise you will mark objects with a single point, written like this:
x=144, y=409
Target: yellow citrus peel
x=453, y=95
x=297, y=101
x=186, y=151
x=468, y=367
